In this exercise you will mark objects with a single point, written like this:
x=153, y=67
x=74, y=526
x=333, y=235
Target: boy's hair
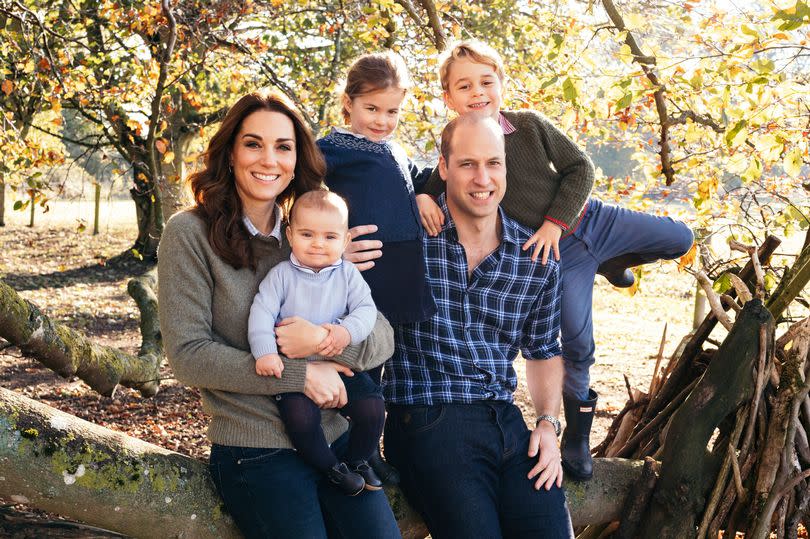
x=322, y=200
x=476, y=51
x=465, y=119
x=373, y=72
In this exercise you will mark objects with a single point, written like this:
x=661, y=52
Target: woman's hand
x=323, y=384
x=431, y=214
x=362, y=252
x=298, y=338
x=547, y=239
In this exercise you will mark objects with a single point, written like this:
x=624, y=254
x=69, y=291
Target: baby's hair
x=477, y=51
x=322, y=200
x=374, y=72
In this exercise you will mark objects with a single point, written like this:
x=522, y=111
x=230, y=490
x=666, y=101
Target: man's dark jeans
x=465, y=468
x=274, y=493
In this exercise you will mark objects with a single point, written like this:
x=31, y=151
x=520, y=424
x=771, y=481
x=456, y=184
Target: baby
x=315, y=284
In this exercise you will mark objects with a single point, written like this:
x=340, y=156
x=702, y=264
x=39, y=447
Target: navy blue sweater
x=378, y=180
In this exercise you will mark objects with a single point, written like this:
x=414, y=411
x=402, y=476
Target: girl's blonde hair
x=374, y=72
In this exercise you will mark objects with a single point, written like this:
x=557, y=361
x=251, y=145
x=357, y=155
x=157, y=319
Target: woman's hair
x=214, y=188
x=374, y=72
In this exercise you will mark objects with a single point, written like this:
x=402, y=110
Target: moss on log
x=69, y=353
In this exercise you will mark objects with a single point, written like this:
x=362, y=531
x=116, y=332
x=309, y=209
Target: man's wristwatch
x=551, y=419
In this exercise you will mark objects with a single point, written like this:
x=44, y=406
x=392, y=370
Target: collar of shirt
x=506, y=125
x=357, y=135
x=275, y=233
x=299, y=266
x=511, y=234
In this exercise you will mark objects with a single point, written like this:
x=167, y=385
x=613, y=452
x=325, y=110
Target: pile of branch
x=724, y=430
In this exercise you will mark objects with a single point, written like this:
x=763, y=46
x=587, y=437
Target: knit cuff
x=355, y=329
x=263, y=348
x=556, y=222
x=293, y=378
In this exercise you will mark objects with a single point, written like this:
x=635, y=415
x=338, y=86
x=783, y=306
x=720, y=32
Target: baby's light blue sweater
x=331, y=296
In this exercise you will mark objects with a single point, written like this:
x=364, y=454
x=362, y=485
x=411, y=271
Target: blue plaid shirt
x=464, y=353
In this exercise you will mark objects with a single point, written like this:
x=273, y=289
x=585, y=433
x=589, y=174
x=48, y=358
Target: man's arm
x=545, y=379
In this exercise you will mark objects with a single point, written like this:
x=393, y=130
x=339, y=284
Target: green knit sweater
x=204, y=307
x=547, y=175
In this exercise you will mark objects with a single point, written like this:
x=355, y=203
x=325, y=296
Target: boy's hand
x=545, y=239
x=431, y=214
x=338, y=339
x=269, y=365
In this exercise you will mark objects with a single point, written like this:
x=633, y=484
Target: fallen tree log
x=69, y=353
x=57, y=462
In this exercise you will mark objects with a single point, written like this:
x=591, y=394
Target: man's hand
x=547, y=239
x=543, y=444
x=334, y=343
x=269, y=365
x=362, y=252
x=431, y=214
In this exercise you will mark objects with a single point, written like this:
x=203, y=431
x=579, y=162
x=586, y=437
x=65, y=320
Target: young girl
x=377, y=178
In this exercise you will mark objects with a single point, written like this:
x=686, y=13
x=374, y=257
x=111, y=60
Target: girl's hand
x=323, y=385
x=546, y=239
x=362, y=252
x=431, y=214
x=297, y=338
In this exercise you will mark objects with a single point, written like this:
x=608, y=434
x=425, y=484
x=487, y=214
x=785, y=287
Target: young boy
x=549, y=181
x=316, y=285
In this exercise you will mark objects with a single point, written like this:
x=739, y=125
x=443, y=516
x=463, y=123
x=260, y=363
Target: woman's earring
x=230, y=167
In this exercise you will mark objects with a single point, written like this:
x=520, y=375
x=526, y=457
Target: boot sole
x=371, y=487
x=574, y=475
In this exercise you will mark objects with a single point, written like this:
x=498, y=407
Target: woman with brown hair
x=210, y=263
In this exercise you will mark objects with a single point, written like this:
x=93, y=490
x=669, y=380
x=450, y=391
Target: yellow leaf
x=793, y=162
x=625, y=54
x=686, y=260
x=168, y=157
x=634, y=21
x=7, y=86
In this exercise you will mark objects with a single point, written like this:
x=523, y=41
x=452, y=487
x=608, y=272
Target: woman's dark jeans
x=272, y=493
x=465, y=468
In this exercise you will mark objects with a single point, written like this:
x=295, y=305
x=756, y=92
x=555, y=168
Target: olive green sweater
x=547, y=175
x=204, y=307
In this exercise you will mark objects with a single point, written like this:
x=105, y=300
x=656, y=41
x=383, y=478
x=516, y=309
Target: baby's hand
x=431, y=214
x=338, y=339
x=269, y=365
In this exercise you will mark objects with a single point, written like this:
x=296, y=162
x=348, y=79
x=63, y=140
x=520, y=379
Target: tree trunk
x=69, y=353
x=2, y=200
x=686, y=466
x=149, y=213
x=175, y=194
x=57, y=462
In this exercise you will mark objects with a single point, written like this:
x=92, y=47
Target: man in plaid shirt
x=467, y=461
